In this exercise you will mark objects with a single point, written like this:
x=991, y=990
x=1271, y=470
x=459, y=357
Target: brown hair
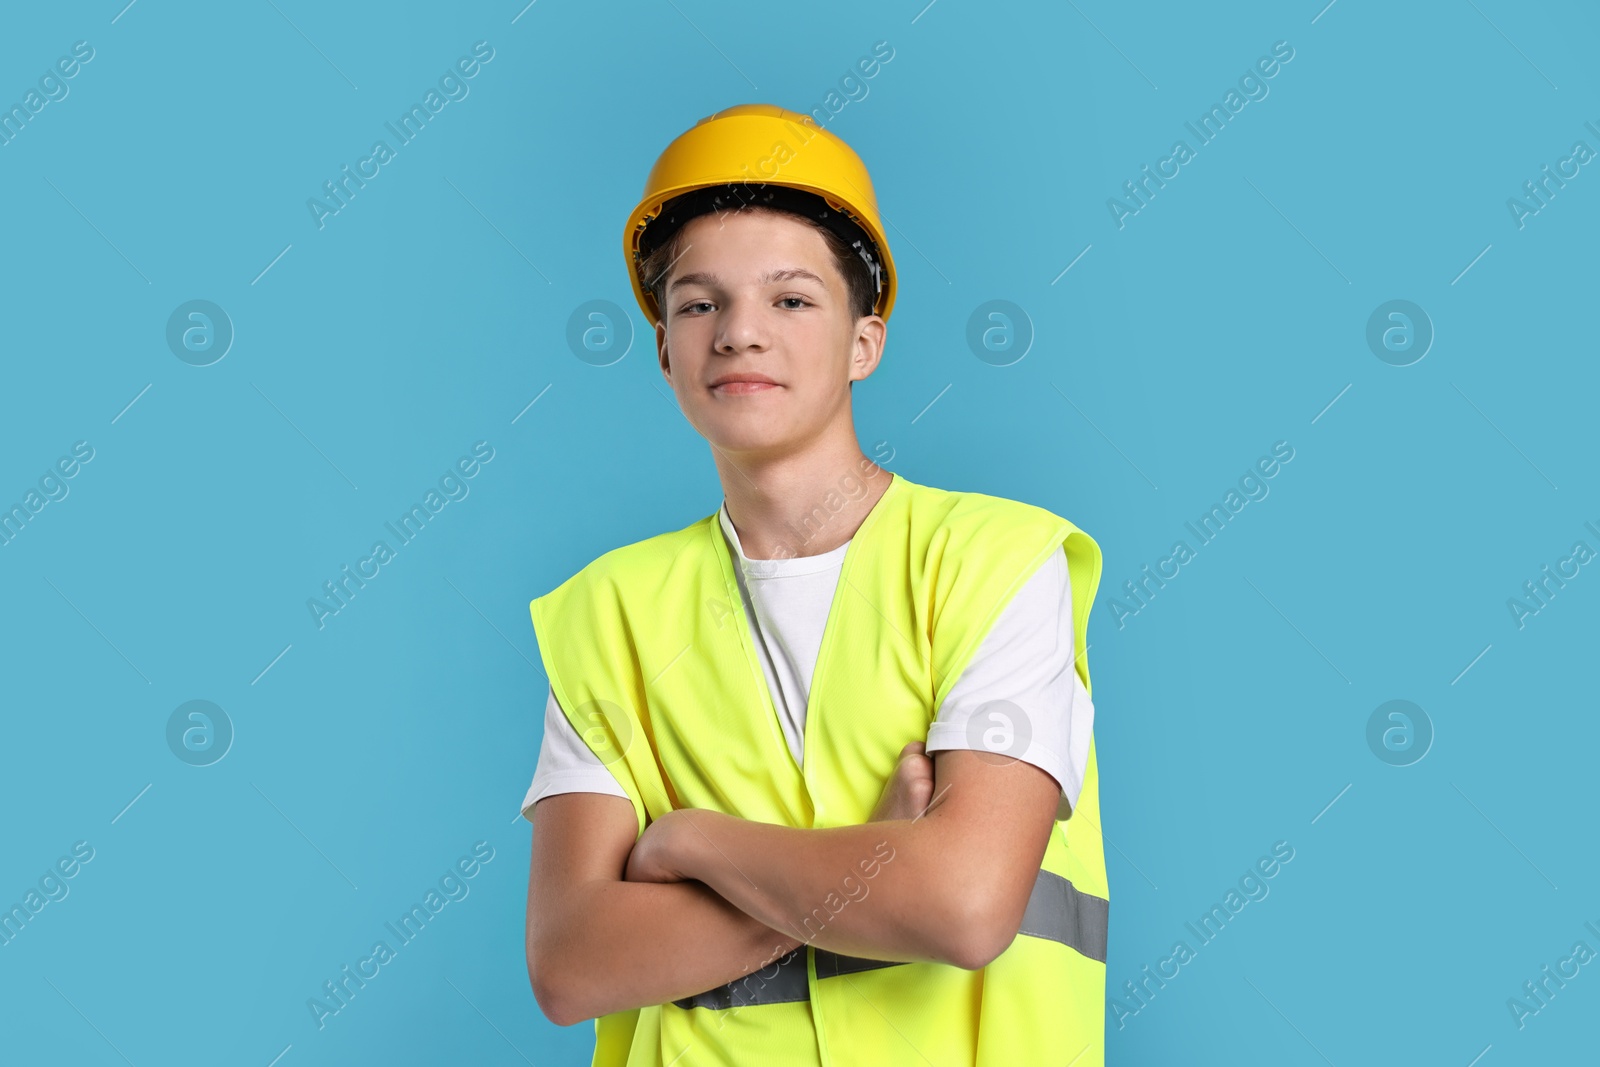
x=863, y=296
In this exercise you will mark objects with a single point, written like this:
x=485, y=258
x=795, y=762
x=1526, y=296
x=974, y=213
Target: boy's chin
x=749, y=437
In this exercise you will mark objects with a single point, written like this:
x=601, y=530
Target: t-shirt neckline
x=778, y=568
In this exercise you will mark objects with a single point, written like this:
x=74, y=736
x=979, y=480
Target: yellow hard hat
x=759, y=154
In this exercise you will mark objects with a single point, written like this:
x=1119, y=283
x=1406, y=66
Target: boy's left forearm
x=885, y=890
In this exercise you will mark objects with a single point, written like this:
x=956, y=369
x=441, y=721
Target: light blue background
x=1228, y=314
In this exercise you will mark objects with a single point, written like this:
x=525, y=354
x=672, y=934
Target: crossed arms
x=701, y=898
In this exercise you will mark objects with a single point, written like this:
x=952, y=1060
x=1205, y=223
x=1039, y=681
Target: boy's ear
x=661, y=350
x=870, y=335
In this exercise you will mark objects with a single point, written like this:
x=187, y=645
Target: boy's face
x=758, y=293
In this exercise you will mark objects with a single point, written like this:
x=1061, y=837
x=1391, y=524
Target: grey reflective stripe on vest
x=1057, y=911
x=758, y=987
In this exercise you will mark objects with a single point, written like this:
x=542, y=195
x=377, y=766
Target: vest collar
x=766, y=568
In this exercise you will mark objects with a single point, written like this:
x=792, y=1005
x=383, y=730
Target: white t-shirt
x=1025, y=659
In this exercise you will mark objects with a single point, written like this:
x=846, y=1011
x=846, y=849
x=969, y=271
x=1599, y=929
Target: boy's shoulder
x=966, y=510
x=637, y=558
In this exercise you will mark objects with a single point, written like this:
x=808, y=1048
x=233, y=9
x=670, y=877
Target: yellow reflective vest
x=650, y=656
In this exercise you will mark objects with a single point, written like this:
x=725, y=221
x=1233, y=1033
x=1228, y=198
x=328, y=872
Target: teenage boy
x=818, y=782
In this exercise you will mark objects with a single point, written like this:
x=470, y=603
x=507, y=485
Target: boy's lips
x=742, y=388
x=742, y=382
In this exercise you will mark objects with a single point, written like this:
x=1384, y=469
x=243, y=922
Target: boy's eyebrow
x=706, y=278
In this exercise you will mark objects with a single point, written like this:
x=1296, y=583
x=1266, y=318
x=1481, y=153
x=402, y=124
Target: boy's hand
x=657, y=856
x=652, y=858
x=910, y=788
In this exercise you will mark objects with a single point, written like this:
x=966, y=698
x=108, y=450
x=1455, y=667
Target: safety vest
x=650, y=656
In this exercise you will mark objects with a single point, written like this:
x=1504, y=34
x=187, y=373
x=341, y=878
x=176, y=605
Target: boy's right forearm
x=631, y=944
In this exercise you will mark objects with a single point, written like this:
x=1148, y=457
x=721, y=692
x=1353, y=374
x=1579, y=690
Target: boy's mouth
x=742, y=384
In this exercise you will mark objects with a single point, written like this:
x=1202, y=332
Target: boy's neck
x=802, y=505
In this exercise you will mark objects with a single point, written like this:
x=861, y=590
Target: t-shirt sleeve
x=566, y=764
x=1020, y=695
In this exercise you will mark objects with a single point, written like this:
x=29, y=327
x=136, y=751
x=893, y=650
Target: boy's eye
x=788, y=300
